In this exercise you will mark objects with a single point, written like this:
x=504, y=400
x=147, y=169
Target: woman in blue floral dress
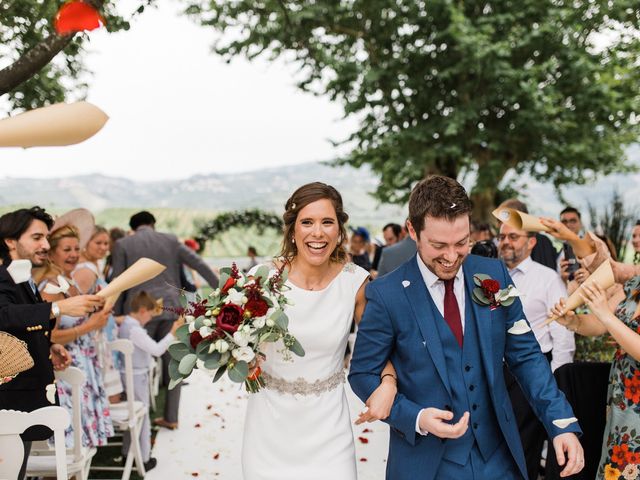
x=620, y=459
x=77, y=335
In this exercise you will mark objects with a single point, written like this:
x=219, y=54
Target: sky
x=177, y=110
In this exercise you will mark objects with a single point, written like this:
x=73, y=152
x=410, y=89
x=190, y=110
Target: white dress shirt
x=141, y=340
x=435, y=286
x=541, y=289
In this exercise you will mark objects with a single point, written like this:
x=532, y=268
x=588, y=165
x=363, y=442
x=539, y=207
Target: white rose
x=259, y=322
x=243, y=354
x=192, y=327
x=189, y=319
x=270, y=322
x=208, y=313
x=241, y=338
x=221, y=345
x=207, y=322
x=205, y=331
x=236, y=297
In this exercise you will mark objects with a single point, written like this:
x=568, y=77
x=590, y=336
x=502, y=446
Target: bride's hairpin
x=453, y=205
x=293, y=206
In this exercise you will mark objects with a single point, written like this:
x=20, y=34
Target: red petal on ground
x=363, y=459
x=216, y=456
x=195, y=474
x=209, y=407
x=197, y=425
x=77, y=16
x=363, y=440
x=366, y=430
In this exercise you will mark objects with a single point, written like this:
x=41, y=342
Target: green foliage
x=615, y=222
x=25, y=24
x=245, y=219
x=458, y=88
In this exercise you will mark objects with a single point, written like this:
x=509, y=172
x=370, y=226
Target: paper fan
x=14, y=356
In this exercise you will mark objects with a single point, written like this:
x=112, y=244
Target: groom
x=452, y=417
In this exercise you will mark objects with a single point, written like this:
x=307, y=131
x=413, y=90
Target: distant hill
x=113, y=199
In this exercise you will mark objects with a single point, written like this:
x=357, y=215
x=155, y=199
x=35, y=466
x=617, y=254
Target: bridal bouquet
x=224, y=332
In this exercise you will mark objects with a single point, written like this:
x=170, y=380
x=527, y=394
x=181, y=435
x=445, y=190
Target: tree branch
x=32, y=62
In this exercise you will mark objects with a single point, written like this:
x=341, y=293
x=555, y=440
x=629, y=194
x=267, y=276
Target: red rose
x=195, y=339
x=229, y=318
x=228, y=284
x=490, y=286
x=258, y=307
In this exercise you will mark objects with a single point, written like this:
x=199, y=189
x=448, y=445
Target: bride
x=298, y=426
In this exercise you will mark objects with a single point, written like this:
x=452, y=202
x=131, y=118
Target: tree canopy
x=39, y=67
x=474, y=88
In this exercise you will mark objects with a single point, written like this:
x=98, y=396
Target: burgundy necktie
x=451, y=311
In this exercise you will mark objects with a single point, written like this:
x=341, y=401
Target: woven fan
x=14, y=357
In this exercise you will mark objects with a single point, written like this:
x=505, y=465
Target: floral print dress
x=620, y=459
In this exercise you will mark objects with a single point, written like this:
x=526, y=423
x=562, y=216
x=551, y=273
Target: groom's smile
x=443, y=244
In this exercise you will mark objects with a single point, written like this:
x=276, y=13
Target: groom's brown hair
x=439, y=197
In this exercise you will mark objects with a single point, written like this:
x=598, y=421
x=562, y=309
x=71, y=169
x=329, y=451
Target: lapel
x=481, y=314
x=28, y=292
x=425, y=314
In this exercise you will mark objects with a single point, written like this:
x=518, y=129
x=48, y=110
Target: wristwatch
x=55, y=309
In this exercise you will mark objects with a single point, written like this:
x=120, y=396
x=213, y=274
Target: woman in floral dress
x=77, y=335
x=620, y=459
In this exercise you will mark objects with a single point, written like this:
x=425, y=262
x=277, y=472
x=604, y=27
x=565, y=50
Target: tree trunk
x=483, y=204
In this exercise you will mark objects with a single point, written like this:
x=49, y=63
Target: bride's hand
x=380, y=402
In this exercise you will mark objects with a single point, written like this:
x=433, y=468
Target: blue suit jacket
x=399, y=325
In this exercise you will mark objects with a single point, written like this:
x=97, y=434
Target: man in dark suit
x=395, y=255
x=166, y=249
x=23, y=243
x=452, y=417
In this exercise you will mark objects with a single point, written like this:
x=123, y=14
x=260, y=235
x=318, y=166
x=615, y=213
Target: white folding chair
x=41, y=463
x=129, y=415
x=13, y=423
x=155, y=373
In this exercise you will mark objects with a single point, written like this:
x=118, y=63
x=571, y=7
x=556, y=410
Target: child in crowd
x=143, y=308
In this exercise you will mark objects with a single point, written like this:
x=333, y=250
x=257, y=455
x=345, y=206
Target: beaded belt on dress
x=300, y=386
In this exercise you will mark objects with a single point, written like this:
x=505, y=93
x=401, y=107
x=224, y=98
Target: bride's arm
x=361, y=301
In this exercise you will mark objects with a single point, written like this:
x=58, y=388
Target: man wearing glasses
x=540, y=287
x=567, y=261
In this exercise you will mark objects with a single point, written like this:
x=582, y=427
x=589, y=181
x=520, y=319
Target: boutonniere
x=488, y=292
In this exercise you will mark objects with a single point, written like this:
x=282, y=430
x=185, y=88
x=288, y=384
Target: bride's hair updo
x=303, y=196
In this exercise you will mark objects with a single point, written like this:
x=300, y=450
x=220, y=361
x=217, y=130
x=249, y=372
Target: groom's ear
x=412, y=231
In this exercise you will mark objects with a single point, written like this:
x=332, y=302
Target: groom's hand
x=435, y=422
x=569, y=443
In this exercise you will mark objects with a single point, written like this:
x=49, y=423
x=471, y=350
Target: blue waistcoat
x=470, y=392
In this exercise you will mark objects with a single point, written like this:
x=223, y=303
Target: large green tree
x=474, y=88
x=39, y=67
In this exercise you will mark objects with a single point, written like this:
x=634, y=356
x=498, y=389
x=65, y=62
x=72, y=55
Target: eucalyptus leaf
x=297, y=348
x=219, y=373
x=202, y=350
x=238, y=372
x=280, y=319
x=478, y=294
x=173, y=369
x=187, y=363
x=173, y=382
x=182, y=333
x=479, y=277
x=178, y=350
x=213, y=361
x=263, y=273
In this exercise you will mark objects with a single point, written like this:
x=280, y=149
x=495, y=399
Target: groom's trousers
x=500, y=466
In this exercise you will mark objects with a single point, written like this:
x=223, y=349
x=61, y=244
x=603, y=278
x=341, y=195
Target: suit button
x=471, y=387
x=474, y=407
x=467, y=368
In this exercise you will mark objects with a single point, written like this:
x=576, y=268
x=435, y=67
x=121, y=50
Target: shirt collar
x=430, y=278
x=523, y=266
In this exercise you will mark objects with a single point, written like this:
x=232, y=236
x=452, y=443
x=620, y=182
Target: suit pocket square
x=519, y=328
x=564, y=422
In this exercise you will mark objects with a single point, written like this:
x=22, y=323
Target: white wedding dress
x=298, y=427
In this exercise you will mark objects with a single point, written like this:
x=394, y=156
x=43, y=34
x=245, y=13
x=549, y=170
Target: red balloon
x=76, y=16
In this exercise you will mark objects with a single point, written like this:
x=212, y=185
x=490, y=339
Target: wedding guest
x=89, y=279
x=252, y=253
x=115, y=234
x=567, y=262
x=395, y=255
x=544, y=251
x=143, y=308
x=23, y=313
x=189, y=280
x=621, y=450
x=392, y=234
x=358, y=248
x=635, y=242
x=166, y=249
x=77, y=334
x=541, y=288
